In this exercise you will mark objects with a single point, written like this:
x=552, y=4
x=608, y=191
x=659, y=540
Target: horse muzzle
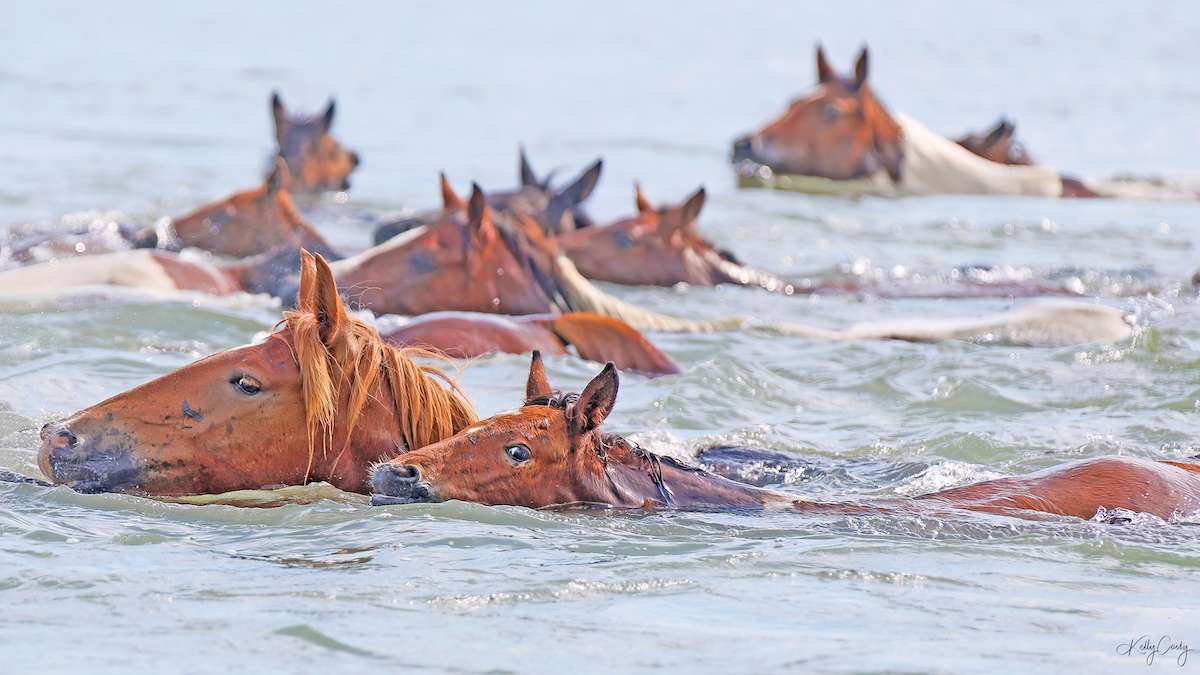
x=80, y=462
x=392, y=484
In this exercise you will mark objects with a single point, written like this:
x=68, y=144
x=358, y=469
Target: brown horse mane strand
x=426, y=411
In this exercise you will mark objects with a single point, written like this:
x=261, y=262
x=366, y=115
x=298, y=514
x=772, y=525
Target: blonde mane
x=429, y=406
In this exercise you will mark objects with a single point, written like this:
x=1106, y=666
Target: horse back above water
x=322, y=399
x=551, y=452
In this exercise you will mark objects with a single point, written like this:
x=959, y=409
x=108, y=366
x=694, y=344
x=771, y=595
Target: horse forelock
x=427, y=404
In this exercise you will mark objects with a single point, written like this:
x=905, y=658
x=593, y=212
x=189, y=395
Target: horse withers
x=322, y=399
x=550, y=452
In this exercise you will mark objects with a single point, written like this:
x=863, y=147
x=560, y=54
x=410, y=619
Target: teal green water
x=149, y=110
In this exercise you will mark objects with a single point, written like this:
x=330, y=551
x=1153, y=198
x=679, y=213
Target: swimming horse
x=841, y=132
x=316, y=161
x=658, y=247
x=250, y=222
x=552, y=453
x=998, y=145
x=321, y=399
x=554, y=209
x=503, y=263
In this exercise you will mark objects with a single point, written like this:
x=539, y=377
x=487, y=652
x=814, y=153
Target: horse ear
x=1002, y=130
x=326, y=303
x=280, y=117
x=450, y=199
x=691, y=208
x=327, y=118
x=860, y=69
x=476, y=207
x=578, y=191
x=538, y=386
x=278, y=176
x=643, y=204
x=824, y=72
x=528, y=177
x=308, y=277
x=596, y=401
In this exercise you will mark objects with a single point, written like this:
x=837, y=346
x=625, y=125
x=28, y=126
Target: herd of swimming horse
x=326, y=397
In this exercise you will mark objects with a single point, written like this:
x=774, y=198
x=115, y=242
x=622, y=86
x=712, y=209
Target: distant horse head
x=321, y=399
x=550, y=452
x=658, y=247
x=251, y=222
x=557, y=210
x=839, y=130
x=491, y=261
x=316, y=160
x=999, y=145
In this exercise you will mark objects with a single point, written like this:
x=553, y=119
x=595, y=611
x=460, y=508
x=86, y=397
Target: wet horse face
x=251, y=222
x=658, y=247
x=839, y=130
x=550, y=452
x=207, y=427
x=539, y=455
x=320, y=400
x=452, y=265
x=316, y=161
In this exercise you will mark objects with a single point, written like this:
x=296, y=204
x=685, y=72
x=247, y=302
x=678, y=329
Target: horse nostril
x=47, y=427
x=354, y=159
x=407, y=473
x=63, y=439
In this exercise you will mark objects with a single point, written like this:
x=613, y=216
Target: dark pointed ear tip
x=475, y=189
x=275, y=100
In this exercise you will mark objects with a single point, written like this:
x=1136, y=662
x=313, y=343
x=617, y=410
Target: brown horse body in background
x=550, y=452
x=320, y=400
x=595, y=338
x=316, y=161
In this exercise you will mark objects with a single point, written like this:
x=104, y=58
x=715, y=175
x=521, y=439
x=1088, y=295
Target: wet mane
x=535, y=252
x=425, y=411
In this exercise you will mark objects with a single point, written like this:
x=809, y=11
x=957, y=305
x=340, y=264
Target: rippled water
x=147, y=110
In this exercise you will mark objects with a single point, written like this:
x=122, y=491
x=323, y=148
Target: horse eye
x=832, y=111
x=247, y=385
x=518, y=452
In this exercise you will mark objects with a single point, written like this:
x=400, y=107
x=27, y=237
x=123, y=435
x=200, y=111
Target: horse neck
x=639, y=478
x=886, y=144
x=384, y=405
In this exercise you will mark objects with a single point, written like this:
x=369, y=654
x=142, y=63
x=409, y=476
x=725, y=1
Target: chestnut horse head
x=999, y=145
x=550, y=452
x=839, y=130
x=490, y=261
x=658, y=247
x=251, y=222
x=322, y=399
x=315, y=159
